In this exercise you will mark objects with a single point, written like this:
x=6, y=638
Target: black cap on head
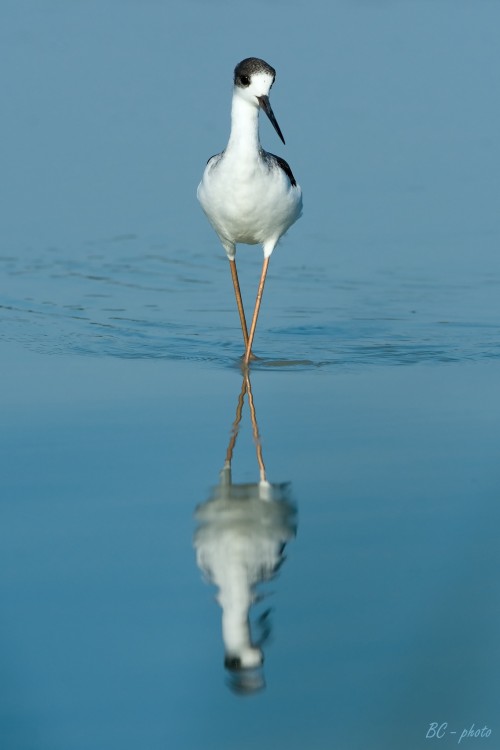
x=247, y=67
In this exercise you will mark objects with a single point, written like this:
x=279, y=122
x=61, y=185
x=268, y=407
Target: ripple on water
x=136, y=301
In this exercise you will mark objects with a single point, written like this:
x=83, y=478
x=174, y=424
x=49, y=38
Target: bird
x=249, y=195
x=241, y=534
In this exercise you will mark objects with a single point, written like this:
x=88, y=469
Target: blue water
x=375, y=393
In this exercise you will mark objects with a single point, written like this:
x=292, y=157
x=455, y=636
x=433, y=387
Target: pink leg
x=260, y=292
x=239, y=301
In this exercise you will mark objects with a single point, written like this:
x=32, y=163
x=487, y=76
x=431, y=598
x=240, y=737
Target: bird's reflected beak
x=265, y=104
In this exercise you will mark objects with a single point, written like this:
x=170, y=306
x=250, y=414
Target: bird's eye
x=245, y=80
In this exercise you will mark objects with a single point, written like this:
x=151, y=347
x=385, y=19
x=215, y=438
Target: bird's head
x=253, y=79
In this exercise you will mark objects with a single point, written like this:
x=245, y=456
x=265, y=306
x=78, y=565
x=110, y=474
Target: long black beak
x=265, y=104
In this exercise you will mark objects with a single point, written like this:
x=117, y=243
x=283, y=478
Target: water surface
x=373, y=408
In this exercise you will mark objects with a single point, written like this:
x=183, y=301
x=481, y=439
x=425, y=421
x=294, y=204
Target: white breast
x=247, y=201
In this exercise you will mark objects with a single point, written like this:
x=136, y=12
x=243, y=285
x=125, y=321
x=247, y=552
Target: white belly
x=248, y=203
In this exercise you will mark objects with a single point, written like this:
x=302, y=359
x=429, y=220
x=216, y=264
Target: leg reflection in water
x=240, y=539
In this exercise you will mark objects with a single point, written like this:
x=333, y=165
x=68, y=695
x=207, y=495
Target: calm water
x=127, y=540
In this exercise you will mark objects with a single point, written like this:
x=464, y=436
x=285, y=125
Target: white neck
x=244, y=126
x=235, y=598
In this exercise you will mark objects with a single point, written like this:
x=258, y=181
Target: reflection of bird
x=248, y=194
x=240, y=539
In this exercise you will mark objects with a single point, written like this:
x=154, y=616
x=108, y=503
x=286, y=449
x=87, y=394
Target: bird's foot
x=251, y=358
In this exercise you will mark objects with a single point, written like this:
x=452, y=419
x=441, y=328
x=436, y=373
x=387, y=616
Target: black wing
x=286, y=168
x=215, y=156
